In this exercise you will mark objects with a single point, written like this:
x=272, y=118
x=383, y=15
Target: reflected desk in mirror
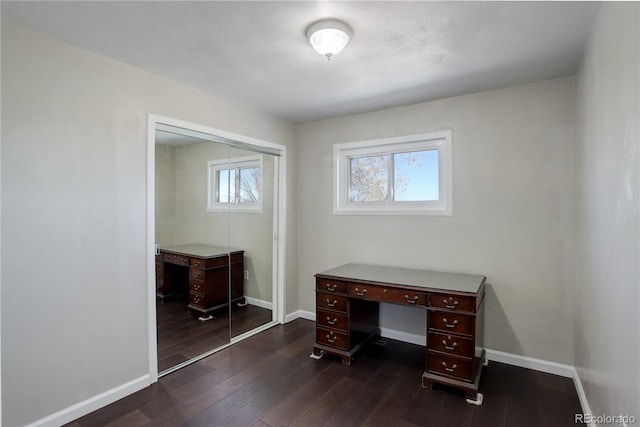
x=204, y=272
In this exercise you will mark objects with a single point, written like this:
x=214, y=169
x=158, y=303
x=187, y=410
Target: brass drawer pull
x=331, y=338
x=446, y=303
x=184, y=260
x=331, y=288
x=196, y=287
x=166, y=257
x=196, y=299
x=196, y=274
x=449, y=369
x=411, y=301
x=449, y=325
x=360, y=294
x=332, y=304
x=196, y=263
x=332, y=322
x=452, y=347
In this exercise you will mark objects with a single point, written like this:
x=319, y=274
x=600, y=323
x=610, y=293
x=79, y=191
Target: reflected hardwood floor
x=269, y=380
x=181, y=336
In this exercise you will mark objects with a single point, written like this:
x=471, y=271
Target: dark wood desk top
x=199, y=250
x=423, y=279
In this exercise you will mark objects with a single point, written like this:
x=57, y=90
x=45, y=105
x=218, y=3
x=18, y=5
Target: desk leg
x=427, y=384
x=475, y=398
x=316, y=356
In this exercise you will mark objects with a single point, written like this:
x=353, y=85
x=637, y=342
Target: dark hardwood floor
x=269, y=380
x=181, y=336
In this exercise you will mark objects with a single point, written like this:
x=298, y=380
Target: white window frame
x=213, y=166
x=342, y=154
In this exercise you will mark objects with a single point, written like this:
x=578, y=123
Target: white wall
x=512, y=206
x=74, y=298
x=607, y=296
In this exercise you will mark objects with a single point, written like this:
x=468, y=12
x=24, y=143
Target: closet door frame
x=154, y=122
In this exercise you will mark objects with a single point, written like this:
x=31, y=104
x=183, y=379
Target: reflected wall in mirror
x=215, y=211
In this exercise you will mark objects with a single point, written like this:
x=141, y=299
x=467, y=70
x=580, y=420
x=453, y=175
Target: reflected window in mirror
x=235, y=184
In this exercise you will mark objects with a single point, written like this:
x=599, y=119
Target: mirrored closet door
x=216, y=258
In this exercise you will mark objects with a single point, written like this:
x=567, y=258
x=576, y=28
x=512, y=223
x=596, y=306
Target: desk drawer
x=197, y=300
x=195, y=286
x=331, y=302
x=197, y=262
x=450, y=366
x=387, y=294
x=332, y=320
x=453, y=302
x=450, y=322
x=332, y=338
x=328, y=285
x=175, y=259
x=450, y=344
x=197, y=274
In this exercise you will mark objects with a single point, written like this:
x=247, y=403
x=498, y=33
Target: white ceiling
x=256, y=53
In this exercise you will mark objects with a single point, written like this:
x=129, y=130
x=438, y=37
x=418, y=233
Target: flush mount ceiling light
x=329, y=37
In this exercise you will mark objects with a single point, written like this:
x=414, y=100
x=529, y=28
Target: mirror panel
x=251, y=225
x=192, y=266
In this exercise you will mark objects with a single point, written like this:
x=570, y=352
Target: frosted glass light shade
x=328, y=38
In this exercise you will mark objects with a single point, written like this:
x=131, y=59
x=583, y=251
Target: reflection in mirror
x=192, y=260
x=251, y=202
x=216, y=210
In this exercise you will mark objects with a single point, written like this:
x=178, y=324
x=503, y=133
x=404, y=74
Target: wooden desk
x=203, y=271
x=347, y=314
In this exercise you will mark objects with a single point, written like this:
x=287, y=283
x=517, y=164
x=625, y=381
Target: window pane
x=416, y=176
x=249, y=185
x=226, y=186
x=369, y=177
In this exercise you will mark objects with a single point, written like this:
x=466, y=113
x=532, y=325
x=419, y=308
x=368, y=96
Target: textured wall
x=607, y=183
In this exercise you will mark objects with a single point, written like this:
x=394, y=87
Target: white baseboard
x=582, y=397
x=96, y=402
x=300, y=314
x=259, y=303
x=403, y=336
x=531, y=363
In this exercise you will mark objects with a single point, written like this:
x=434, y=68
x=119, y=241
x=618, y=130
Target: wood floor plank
x=557, y=409
x=362, y=403
x=329, y=403
x=187, y=403
x=299, y=401
x=493, y=411
x=132, y=419
x=231, y=402
x=522, y=397
x=264, y=402
x=425, y=407
x=455, y=411
x=395, y=402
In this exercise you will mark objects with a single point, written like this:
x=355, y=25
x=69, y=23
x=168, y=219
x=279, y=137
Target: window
x=235, y=184
x=403, y=175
